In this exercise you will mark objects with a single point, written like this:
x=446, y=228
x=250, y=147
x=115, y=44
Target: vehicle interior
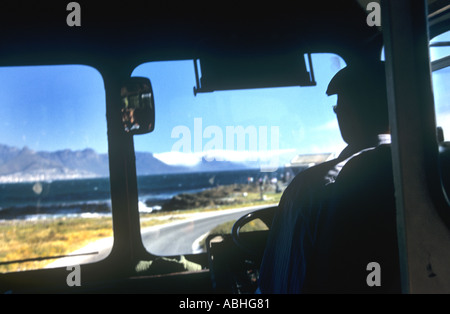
x=225, y=47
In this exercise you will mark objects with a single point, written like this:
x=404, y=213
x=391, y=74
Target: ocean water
x=91, y=197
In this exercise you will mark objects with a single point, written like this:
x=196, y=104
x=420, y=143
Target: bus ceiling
x=181, y=32
x=168, y=32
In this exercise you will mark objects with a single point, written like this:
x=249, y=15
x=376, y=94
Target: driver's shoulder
x=306, y=184
x=313, y=175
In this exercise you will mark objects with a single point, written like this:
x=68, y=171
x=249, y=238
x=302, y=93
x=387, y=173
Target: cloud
x=179, y=158
x=193, y=158
x=331, y=125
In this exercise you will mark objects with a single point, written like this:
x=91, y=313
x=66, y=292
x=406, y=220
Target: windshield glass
x=440, y=59
x=54, y=173
x=215, y=156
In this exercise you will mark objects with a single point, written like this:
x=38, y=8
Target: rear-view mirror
x=138, y=106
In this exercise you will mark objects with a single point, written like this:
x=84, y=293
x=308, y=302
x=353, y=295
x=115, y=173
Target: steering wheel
x=265, y=214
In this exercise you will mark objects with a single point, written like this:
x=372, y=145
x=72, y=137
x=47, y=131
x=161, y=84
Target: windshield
x=54, y=173
x=215, y=156
x=439, y=55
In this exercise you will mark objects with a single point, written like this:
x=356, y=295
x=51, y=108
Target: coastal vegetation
x=41, y=238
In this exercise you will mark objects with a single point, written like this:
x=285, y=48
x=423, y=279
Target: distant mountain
x=146, y=164
x=214, y=165
x=24, y=165
x=21, y=165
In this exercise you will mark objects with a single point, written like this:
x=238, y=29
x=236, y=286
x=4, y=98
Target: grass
x=225, y=228
x=43, y=238
x=24, y=239
x=253, y=225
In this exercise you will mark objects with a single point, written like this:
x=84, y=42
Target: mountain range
x=25, y=165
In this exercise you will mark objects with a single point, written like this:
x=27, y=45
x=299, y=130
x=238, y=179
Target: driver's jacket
x=333, y=220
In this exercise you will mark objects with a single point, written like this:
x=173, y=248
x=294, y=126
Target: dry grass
x=22, y=239
x=44, y=238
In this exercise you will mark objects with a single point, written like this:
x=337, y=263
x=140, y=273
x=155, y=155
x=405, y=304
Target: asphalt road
x=180, y=238
x=176, y=238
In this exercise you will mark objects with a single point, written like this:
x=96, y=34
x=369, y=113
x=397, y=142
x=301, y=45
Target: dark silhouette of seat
x=357, y=227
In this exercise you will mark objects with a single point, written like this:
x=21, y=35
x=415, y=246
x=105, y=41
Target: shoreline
x=67, y=235
x=210, y=197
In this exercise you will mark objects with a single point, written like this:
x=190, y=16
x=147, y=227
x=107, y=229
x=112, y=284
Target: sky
x=49, y=108
x=299, y=119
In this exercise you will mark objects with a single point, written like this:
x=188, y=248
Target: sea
x=92, y=197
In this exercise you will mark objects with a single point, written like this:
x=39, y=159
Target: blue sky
x=50, y=108
x=303, y=115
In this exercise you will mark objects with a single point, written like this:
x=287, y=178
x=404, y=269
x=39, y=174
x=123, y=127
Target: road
x=176, y=238
x=180, y=238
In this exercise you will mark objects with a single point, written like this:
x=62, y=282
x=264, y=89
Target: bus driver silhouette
x=338, y=217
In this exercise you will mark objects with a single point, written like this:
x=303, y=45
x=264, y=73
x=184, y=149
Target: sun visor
x=249, y=72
